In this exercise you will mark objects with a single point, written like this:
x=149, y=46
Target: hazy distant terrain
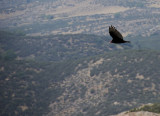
x=37, y=17
x=56, y=59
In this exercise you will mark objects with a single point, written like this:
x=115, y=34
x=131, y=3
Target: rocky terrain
x=144, y=110
x=142, y=113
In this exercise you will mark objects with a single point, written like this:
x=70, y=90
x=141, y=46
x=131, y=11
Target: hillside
x=97, y=85
x=110, y=84
x=55, y=47
x=56, y=59
x=41, y=76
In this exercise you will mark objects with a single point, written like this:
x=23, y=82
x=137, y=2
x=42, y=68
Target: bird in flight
x=116, y=36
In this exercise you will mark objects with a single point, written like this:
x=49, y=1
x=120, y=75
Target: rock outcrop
x=141, y=113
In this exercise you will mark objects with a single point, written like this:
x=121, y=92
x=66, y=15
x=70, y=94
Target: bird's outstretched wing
x=116, y=35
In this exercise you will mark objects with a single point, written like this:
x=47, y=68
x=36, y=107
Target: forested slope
x=103, y=79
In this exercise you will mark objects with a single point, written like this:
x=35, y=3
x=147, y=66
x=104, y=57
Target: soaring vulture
x=116, y=35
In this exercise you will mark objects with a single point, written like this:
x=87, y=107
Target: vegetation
x=37, y=71
x=150, y=108
x=56, y=47
x=32, y=85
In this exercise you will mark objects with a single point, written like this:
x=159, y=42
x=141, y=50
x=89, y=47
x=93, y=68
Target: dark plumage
x=116, y=35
